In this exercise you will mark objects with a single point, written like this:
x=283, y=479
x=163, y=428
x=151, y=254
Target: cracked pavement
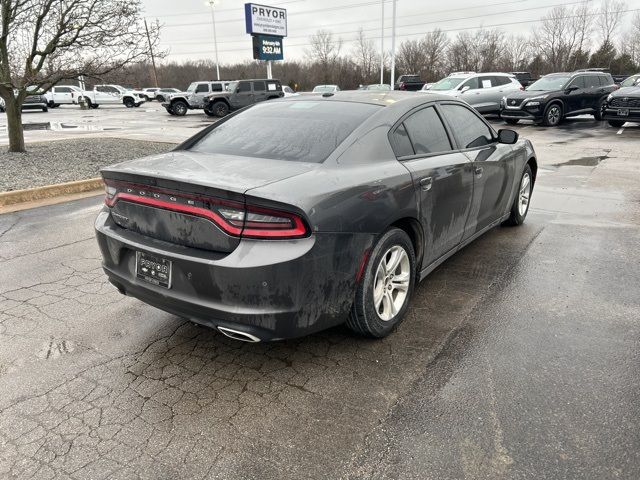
x=519, y=356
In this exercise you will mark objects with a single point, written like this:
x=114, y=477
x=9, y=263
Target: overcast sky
x=187, y=30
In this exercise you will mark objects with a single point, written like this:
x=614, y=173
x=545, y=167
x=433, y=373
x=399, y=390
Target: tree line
x=566, y=39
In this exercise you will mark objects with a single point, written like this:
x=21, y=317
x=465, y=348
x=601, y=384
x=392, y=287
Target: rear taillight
x=402, y=86
x=521, y=87
x=237, y=219
x=616, y=87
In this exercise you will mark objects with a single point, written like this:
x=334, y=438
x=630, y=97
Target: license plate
x=623, y=112
x=153, y=269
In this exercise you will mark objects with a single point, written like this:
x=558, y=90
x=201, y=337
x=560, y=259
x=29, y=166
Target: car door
x=201, y=92
x=259, y=91
x=244, y=94
x=442, y=178
x=472, y=94
x=484, y=98
x=493, y=165
x=574, y=98
x=594, y=91
x=61, y=95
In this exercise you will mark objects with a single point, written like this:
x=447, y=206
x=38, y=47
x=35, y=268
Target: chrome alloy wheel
x=391, y=284
x=553, y=115
x=524, y=194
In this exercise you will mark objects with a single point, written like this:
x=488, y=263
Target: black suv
x=409, y=82
x=241, y=94
x=557, y=96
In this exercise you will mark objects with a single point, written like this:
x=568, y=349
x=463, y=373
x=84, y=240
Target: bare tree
x=410, y=57
x=366, y=56
x=434, y=45
x=609, y=19
x=43, y=42
x=324, y=50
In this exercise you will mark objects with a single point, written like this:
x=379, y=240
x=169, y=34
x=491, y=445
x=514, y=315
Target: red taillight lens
x=616, y=87
x=234, y=218
x=521, y=87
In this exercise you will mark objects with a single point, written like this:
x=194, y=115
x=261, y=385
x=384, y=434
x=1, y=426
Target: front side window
x=202, y=88
x=427, y=133
x=470, y=131
x=578, y=82
x=305, y=131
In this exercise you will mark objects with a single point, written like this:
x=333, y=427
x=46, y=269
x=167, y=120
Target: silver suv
x=483, y=91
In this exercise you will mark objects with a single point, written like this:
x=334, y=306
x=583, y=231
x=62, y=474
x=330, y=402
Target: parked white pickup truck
x=63, y=95
x=113, y=94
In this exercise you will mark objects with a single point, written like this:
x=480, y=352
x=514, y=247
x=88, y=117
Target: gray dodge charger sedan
x=295, y=215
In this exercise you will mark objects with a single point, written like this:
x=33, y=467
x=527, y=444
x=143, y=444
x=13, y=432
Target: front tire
x=383, y=293
x=128, y=102
x=45, y=109
x=160, y=98
x=553, y=115
x=616, y=123
x=220, y=109
x=179, y=108
x=520, y=206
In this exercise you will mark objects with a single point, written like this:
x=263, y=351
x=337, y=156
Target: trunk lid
x=173, y=196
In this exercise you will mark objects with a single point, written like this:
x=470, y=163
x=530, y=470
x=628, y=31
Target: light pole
x=393, y=46
x=212, y=4
x=382, y=46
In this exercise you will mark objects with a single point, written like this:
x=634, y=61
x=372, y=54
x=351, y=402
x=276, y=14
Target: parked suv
x=242, y=94
x=557, y=96
x=623, y=105
x=193, y=98
x=483, y=91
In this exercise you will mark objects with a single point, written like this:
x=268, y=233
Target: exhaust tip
x=238, y=335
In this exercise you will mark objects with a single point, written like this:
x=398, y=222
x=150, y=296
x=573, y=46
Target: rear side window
x=467, y=127
x=426, y=132
x=592, y=81
x=259, y=87
x=303, y=131
x=487, y=82
x=499, y=80
x=606, y=80
x=216, y=87
x=400, y=142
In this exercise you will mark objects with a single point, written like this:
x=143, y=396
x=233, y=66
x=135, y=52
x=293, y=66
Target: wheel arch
x=413, y=228
x=533, y=164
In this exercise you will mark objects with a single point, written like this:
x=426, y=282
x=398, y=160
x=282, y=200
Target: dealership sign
x=264, y=20
x=267, y=47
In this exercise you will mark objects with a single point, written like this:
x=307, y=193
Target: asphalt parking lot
x=518, y=359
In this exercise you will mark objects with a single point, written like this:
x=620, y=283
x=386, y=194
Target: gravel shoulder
x=61, y=161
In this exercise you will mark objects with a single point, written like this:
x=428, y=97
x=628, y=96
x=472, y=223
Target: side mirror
x=571, y=88
x=465, y=88
x=507, y=136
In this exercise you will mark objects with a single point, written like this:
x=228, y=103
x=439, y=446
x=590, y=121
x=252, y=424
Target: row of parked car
x=547, y=100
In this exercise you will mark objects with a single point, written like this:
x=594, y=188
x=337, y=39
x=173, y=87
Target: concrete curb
x=49, y=191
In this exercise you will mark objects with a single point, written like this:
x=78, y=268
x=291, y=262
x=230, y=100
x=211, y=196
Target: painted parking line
x=619, y=132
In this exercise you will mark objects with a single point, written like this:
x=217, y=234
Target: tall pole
x=393, y=46
x=382, y=45
x=153, y=59
x=269, y=74
x=212, y=4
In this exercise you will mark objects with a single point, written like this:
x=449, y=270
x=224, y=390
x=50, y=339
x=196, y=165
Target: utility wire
x=423, y=33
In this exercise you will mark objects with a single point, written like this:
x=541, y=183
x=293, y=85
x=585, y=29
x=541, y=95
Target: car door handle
x=478, y=171
x=426, y=183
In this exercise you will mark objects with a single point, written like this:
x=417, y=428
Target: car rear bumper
x=28, y=106
x=269, y=289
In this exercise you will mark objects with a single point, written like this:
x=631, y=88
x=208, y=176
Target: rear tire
x=553, y=115
x=45, y=109
x=616, y=123
x=384, y=291
x=520, y=206
x=179, y=108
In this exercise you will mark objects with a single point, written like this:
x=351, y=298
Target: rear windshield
x=304, y=131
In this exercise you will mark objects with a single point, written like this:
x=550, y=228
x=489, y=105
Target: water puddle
x=583, y=161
